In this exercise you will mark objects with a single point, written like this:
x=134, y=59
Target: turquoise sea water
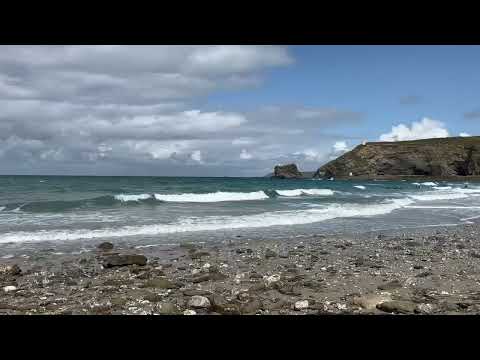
x=61, y=208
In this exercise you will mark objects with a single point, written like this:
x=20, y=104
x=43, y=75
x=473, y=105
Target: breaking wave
x=301, y=192
x=212, y=223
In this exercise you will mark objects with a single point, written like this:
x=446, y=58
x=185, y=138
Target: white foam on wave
x=435, y=196
x=213, y=197
x=429, y=183
x=300, y=192
x=126, y=198
x=2, y=208
x=212, y=223
x=361, y=187
x=442, y=187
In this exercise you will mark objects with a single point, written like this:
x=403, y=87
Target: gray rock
x=10, y=270
x=160, y=283
x=105, y=246
x=124, y=260
x=395, y=284
x=270, y=254
x=397, y=307
x=251, y=307
x=168, y=309
x=199, y=302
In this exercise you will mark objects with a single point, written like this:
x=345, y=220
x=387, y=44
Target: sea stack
x=289, y=171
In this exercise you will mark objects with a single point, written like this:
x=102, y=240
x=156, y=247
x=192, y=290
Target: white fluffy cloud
x=245, y=155
x=424, y=129
x=464, y=134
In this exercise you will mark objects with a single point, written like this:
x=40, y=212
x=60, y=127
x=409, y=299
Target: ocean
x=149, y=210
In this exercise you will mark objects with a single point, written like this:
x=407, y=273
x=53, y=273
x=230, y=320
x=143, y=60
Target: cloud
x=138, y=109
x=411, y=100
x=196, y=156
x=245, y=155
x=472, y=115
x=464, y=134
x=424, y=129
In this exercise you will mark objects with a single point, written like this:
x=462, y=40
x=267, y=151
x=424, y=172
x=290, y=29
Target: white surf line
x=470, y=218
x=440, y=207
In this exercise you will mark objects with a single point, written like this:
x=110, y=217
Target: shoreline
x=429, y=270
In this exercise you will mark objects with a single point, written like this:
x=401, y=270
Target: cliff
x=445, y=157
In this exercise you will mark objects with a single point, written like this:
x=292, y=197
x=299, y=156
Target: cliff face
x=289, y=171
x=446, y=157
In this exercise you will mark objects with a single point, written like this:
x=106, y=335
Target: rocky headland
x=454, y=157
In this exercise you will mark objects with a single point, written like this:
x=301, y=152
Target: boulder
x=370, y=301
x=301, y=305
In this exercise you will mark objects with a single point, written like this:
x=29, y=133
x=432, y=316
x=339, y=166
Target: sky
x=224, y=110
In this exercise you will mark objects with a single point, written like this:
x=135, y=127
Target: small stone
x=244, y=251
x=9, y=288
x=167, y=309
x=124, y=260
x=251, y=307
x=301, y=305
x=105, y=246
x=395, y=284
x=397, y=307
x=475, y=254
x=424, y=274
x=199, y=254
x=199, y=302
x=270, y=254
x=269, y=280
x=369, y=302
x=160, y=283
x=189, y=312
x=418, y=267
x=10, y=270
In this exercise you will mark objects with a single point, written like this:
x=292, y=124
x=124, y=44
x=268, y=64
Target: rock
x=424, y=274
x=167, y=309
x=269, y=280
x=289, y=171
x=210, y=276
x=270, y=254
x=397, y=307
x=124, y=260
x=424, y=308
x=418, y=267
x=160, y=283
x=395, y=284
x=251, y=307
x=193, y=292
x=189, y=312
x=413, y=243
x=105, y=246
x=199, y=254
x=301, y=305
x=222, y=306
x=199, y=302
x=475, y=254
x=9, y=288
x=244, y=251
x=11, y=270
x=256, y=287
x=369, y=302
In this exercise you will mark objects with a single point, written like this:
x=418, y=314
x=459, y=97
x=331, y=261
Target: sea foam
x=212, y=223
x=300, y=192
x=213, y=197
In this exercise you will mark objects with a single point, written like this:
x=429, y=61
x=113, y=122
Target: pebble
x=301, y=305
x=9, y=288
x=199, y=302
x=189, y=312
x=269, y=280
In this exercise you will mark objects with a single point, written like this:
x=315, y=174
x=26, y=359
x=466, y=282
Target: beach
x=430, y=270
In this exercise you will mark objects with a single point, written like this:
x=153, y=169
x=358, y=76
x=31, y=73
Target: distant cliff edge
x=445, y=157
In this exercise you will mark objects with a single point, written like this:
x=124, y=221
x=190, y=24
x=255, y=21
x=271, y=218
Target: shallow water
x=164, y=209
